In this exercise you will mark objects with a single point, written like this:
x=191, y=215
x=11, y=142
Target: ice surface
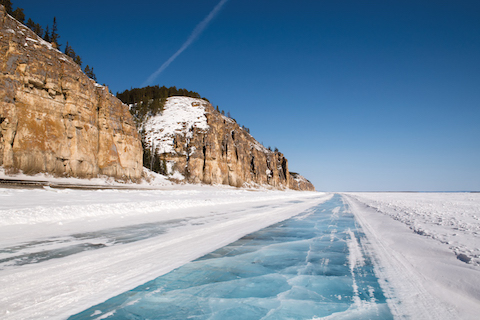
x=308, y=266
x=419, y=272
x=59, y=247
x=65, y=250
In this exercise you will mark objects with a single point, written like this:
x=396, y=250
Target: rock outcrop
x=54, y=119
x=299, y=182
x=204, y=146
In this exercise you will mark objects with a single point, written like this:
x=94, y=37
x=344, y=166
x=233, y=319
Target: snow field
x=450, y=218
x=420, y=271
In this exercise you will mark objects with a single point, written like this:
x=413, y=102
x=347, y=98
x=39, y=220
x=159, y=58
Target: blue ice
x=300, y=268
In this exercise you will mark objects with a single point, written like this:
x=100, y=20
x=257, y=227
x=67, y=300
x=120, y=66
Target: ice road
x=63, y=251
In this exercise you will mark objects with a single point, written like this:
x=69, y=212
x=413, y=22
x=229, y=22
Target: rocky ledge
x=55, y=119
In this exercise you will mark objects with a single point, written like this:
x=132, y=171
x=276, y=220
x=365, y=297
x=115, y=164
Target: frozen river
x=221, y=253
x=311, y=265
x=63, y=251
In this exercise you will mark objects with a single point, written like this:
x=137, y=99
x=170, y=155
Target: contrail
x=193, y=36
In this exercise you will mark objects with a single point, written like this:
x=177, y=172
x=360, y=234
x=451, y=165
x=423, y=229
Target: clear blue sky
x=359, y=95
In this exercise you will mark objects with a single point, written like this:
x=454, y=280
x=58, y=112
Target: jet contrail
x=193, y=36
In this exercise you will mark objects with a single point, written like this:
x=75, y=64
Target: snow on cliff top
x=180, y=116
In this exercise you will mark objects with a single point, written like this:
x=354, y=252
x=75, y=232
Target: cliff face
x=54, y=119
x=299, y=182
x=204, y=146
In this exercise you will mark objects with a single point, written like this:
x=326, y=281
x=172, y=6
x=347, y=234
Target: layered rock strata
x=204, y=146
x=299, y=182
x=55, y=119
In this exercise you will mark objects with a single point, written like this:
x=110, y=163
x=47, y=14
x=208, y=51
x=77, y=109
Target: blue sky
x=359, y=95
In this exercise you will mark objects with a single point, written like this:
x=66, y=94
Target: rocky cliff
x=192, y=138
x=299, y=182
x=54, y=119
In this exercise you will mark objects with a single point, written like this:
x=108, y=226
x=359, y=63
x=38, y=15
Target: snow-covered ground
x=151, y=180
x=64, y=250
x=427, y=249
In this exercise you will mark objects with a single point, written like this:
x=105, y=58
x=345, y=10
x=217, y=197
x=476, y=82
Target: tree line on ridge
x=150, y=101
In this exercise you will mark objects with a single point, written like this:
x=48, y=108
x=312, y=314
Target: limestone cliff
x=54, y=119
x=194, y=139
x=299, y=182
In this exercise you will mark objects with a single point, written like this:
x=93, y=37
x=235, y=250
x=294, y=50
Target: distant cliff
x=54, y=119
x=195, y=140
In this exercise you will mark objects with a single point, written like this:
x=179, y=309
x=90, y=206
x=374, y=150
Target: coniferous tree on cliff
x=54, y=36
x=89, y=72
x=46, y=36
x=19, y=15
x=8, y=6
x=35, y=27
x=71, y=53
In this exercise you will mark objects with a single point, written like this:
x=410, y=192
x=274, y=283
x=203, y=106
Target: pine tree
x=35, y=27
x=69, y=51
x=30, y=24
x=157, y=106
x=19, y=15
x=54, y=35
x=89, y=72
x=8, y=6
x=163, y=168
x=78, y=60
x=46, y=36
x=38, y=30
